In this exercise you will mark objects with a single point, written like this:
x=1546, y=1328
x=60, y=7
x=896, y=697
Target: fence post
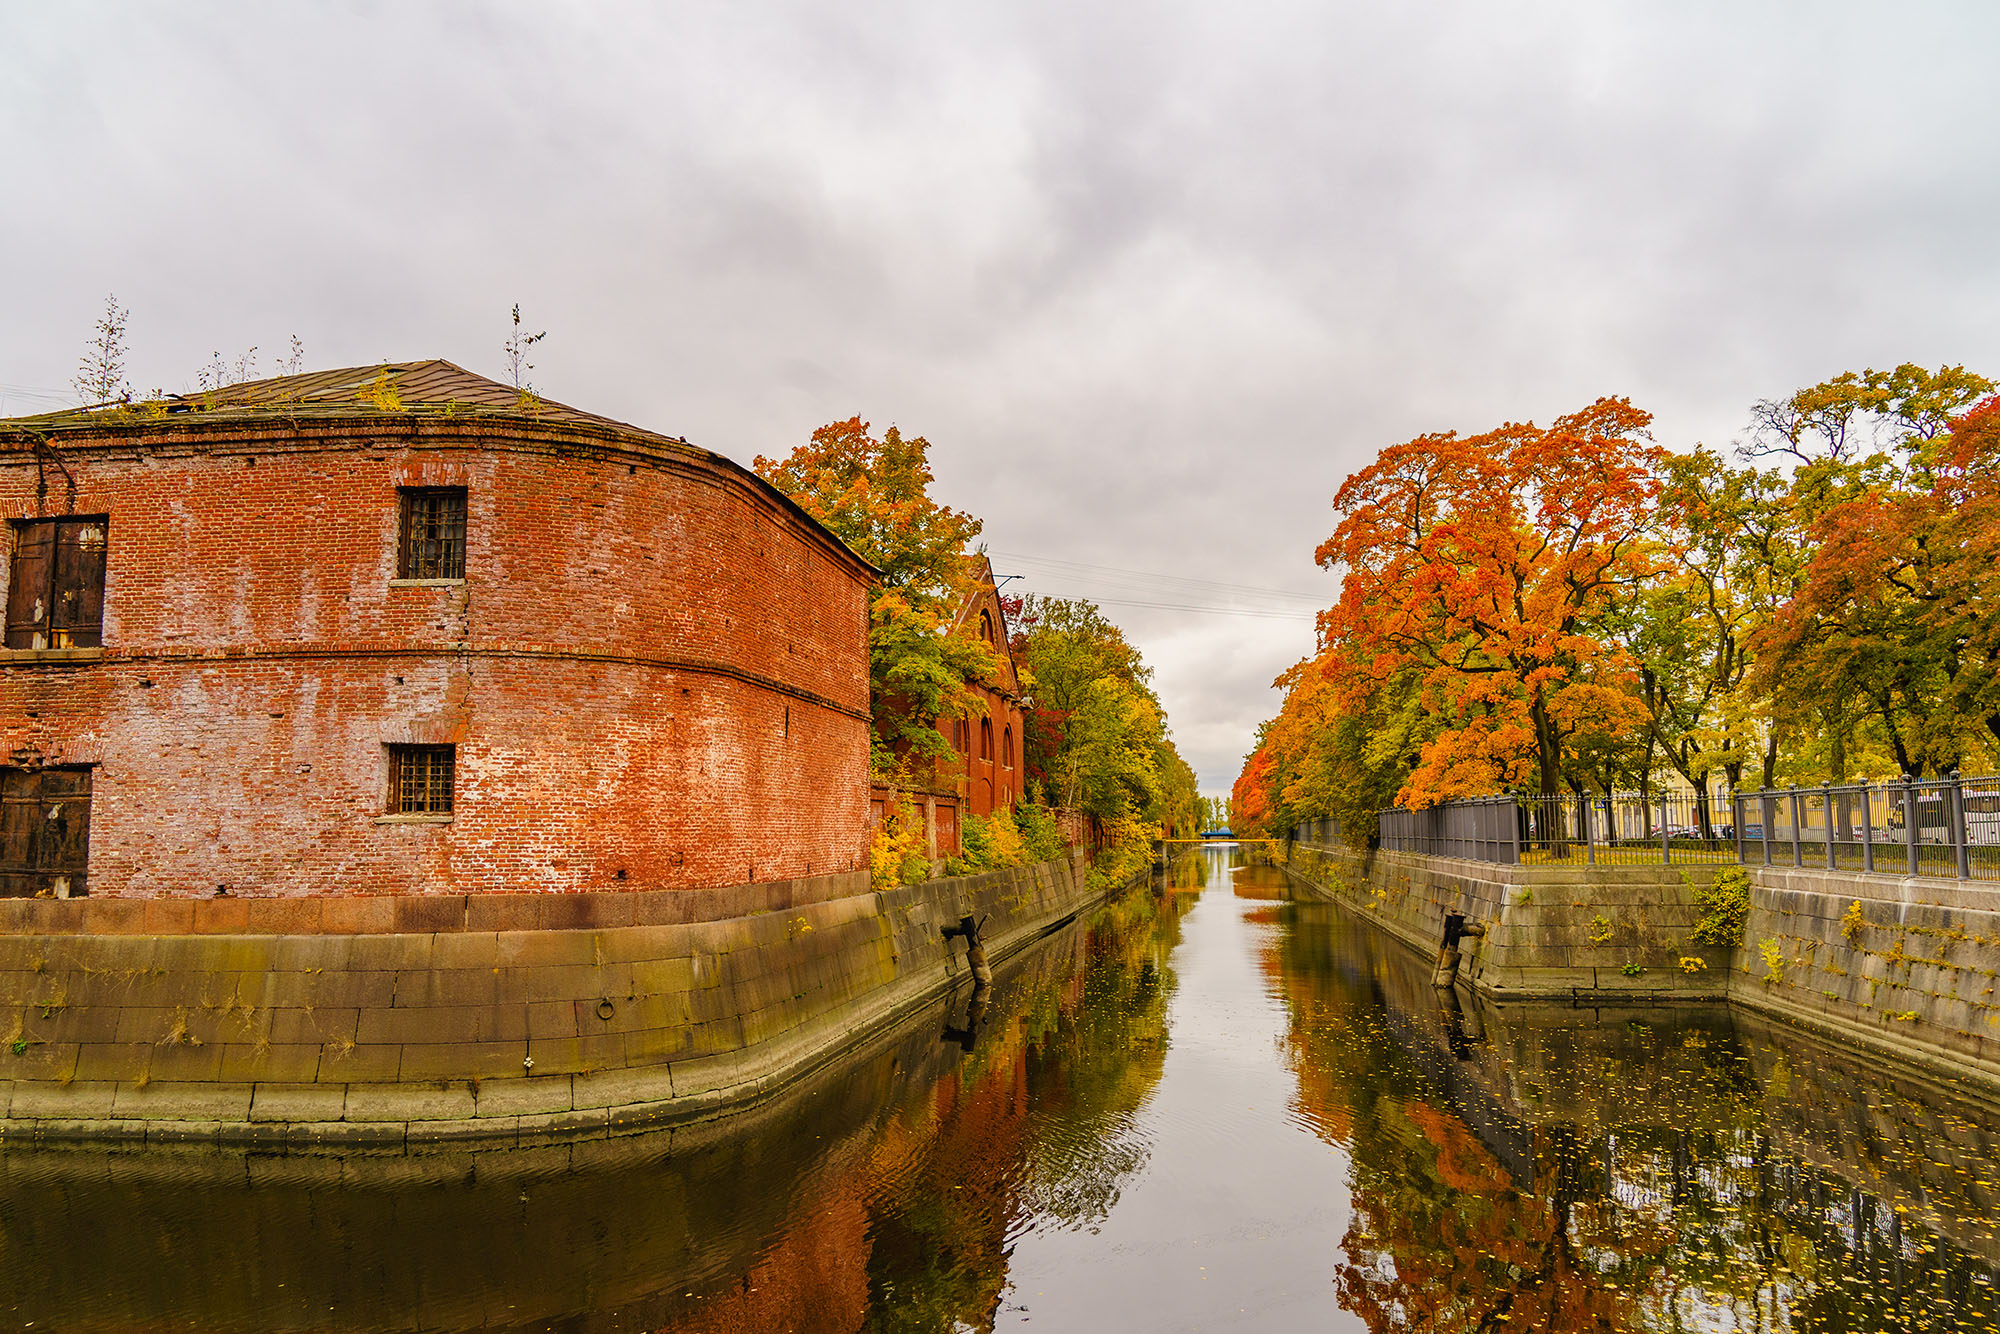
x=1958, y=830
x=1589, y=843
x=1798, y=820
x=1910, y=822
x=1769, y=810
x=1826, y=802
x=1868, y=827
x=1666, y=852
x=1736, y=821
x=1514, y=823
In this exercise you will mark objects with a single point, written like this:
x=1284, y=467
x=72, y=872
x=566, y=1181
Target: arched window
x=985, y=738
x=986, y=626
x=1007, y=747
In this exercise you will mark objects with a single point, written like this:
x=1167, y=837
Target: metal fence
x=1943, y=827
x=1324, y=831
x=1485, y=829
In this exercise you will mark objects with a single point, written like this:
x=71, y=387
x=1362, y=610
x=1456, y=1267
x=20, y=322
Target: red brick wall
x=653, y=665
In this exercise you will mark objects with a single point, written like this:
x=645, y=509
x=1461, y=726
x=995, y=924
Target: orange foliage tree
x=874, y=495
x=1896, y=605
x=1478, y=563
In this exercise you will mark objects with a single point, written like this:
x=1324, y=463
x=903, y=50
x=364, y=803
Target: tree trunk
x=1548, y=749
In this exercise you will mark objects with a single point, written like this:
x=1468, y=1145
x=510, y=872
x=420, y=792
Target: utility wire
x=1162, y=584
x=1259, y=612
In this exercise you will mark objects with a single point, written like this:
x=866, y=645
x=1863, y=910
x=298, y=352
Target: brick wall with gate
x=649, y=671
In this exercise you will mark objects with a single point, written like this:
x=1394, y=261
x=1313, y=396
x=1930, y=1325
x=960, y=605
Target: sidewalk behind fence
x=1943, y=827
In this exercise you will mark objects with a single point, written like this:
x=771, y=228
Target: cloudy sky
x=1152, y=278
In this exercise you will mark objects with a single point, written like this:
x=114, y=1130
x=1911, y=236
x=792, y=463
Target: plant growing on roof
x=100, y=377
x=516, y=347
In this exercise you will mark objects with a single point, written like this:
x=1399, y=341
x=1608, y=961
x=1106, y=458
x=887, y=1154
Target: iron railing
x=1485, y=829
x=1324, y=831
x=1856, y=826
x=1943, y=827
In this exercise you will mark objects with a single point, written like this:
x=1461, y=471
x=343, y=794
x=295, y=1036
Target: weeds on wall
x=1724, y=904
x=1774, y=962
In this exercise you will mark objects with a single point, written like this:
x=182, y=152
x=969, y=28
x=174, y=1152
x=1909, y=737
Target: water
x=1203, y=1109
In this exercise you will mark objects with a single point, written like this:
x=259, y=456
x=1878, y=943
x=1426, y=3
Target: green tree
x=874, y=495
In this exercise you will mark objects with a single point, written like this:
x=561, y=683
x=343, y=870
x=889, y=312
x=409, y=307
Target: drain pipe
x=975, y=950
x=1456, y=928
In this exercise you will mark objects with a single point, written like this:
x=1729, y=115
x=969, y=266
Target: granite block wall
x=464, y=1029
x=1550, y=930
x=1907, y=965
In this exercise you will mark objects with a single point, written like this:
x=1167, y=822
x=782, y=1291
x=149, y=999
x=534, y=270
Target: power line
x=1162, y=582
x=1259, y=612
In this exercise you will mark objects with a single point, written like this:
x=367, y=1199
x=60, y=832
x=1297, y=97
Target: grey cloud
x=1152, y=278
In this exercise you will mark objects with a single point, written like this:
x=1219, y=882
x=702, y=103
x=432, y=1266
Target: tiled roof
x=416, y=385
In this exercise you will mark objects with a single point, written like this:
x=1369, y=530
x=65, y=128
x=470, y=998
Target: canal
x=1204, y=1107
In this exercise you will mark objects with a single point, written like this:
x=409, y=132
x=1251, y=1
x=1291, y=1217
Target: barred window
x=433, y=533
x=420, y=779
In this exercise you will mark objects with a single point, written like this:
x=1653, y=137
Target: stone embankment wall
x=1906, y=965
x=468, y=1026
x=1604, y=931
x=1901, y=963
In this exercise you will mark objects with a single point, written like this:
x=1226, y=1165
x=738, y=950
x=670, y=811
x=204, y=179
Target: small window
x=44, y=832
x=986, y=626
x=1007, y=748
x=432, y=545
x=55, y=592
x=985, y=738
x=420, y=779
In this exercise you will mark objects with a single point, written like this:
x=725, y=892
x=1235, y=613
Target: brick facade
x=989, y=774
x=654, y=670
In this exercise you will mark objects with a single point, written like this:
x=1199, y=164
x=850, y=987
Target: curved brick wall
x=654, y=665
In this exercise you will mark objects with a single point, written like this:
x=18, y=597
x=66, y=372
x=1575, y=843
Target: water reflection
x=1665, y=1168
x=1325, y=1142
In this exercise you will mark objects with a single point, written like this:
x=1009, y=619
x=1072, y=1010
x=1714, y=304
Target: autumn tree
x=874, y=494
x=1097, y=734
x=1480, y=564
x=1883, y=503
x=1895, y=606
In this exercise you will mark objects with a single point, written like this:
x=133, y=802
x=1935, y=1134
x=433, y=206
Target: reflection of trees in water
x=1655, y=1192
x=1039, y=1124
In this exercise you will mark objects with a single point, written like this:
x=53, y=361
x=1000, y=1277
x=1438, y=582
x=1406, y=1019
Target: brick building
x=988, y=776
x=399, y=630
x=987, y=773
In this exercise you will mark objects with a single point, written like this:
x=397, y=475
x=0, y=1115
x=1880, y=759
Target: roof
x=413, y=386
x=417, y=389
x=985, y=594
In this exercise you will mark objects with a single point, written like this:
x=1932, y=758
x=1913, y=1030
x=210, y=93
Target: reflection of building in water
x=1573, y=1168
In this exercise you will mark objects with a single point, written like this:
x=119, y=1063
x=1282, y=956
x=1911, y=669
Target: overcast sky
x=1151, y=278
